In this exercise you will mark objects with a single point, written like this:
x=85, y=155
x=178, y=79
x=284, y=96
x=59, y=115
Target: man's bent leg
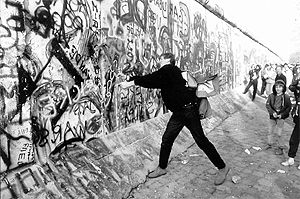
x=294, y=140
x=174, y=127
x=247, y=87
x=263, y=87
x=254, y=89
x=203, y=143
x=192, y=122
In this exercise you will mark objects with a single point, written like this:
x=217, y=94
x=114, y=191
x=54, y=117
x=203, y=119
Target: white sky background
x=274, y=23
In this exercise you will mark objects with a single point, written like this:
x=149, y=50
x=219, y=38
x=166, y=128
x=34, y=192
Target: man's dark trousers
x=254, y=83
x=190, y=118
x=263, y=86
x=295, y=138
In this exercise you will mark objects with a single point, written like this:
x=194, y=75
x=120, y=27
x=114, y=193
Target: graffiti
x=68, y=134
x=139, y=104
x=26, y=181
x=63, y=26
x=26, y=87
x=27, y=78
x=164, y=39
x=6, y=148
x=5, y=94
x=71, y=21
x=18, y=20
x=131, y=11
x=39, y=134
x=61, y=62
x=5, y=157
x=162, y=6
x=49, y=100
x=10, y=188
x=37, y=180
x=41, y=22
x=26, y=154
x=185, y=21
x=58, y=52
x=10, y=24
x=2, y=53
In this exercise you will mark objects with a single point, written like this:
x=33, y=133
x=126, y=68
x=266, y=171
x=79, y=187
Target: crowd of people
x=268, y=76
x=278, y=84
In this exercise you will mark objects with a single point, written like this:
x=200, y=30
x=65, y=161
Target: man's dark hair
x=169, y=56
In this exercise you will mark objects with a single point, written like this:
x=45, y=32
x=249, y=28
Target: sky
x=274, y=23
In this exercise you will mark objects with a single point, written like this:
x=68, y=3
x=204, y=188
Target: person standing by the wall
x=253, y=80
x=271, y=74
x=264, y=77
x=296, y=71
x=295, y=137
x=181, y=100
x=279, y=106
x=287, y=71
x=279, y=74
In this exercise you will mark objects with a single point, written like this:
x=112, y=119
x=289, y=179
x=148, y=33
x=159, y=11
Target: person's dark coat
x=286, y=104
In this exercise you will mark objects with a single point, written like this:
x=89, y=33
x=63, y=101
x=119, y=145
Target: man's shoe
x=279, y=151
x=289, y=162
x=221, y=175
x=157, y=172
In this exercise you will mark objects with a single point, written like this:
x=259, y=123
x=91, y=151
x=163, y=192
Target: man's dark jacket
x=174, y=92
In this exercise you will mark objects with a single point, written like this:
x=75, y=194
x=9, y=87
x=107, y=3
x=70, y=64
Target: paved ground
x=191, y=175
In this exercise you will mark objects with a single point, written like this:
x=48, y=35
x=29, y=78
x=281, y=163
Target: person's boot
x=289, y=162
x=157, y=172
x=221, y=175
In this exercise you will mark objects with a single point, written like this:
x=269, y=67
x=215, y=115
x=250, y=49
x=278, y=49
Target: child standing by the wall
x=278, y=105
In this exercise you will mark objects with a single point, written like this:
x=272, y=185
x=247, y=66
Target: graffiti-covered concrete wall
x=61, y=62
